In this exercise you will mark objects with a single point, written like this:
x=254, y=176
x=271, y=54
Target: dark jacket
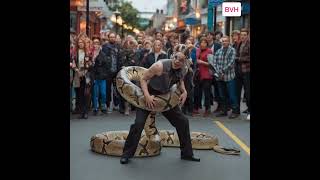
x=244, y=56
x=216, y=47
x=113, y=51
x=140, y=56
x=150, y=59
x=127, y=57
x=101, y=66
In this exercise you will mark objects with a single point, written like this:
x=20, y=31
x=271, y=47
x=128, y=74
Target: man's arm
x=231, y=60
x=184, y=94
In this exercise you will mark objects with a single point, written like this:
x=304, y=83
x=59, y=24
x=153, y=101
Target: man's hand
x=150, y=101
x=183, y=97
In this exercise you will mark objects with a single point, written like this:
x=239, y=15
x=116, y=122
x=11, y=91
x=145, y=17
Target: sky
x=148, y=5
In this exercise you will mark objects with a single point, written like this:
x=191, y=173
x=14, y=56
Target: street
x=87, y=165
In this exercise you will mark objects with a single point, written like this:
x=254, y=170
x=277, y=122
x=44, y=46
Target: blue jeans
x=231, y=88
x=100, y=87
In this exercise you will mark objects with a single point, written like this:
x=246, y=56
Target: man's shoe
x=95, y=112
x=104, y=111
x=234, y=115
x=85, y=116
x=190, y=158
x=124, y=160
x=248, y=117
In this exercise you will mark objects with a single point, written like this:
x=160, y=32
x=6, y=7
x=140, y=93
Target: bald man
x=158, y=79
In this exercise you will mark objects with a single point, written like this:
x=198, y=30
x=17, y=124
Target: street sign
x=214, y=2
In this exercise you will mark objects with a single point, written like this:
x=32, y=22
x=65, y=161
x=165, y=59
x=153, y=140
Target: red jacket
x=204, y=70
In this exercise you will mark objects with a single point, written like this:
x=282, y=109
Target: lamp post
x=117, y=13
x=87, y=20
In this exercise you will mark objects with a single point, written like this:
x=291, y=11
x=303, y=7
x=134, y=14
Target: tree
x=129, y=14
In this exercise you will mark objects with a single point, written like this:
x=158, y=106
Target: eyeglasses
x=180, y=59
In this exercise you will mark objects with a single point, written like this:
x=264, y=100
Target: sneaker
x=104, y=111
x=248, y=117
x=95, y=112
x=234, y=115
x=109, y=111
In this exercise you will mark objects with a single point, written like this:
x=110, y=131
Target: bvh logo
x=231, y=9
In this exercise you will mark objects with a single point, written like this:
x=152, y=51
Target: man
x=112, y=51
x=223, y=63
x=214, y=46
x=244, y=60
x=158, y=36
x=236, y=45
x=158, y=79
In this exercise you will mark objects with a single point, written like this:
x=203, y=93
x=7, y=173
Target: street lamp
x=87, y=21
x=117, y=14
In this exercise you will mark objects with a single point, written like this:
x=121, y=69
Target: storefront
x=236, y=23
x=97, y=15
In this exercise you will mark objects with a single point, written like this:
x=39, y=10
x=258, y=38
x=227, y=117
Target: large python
x=151, y=141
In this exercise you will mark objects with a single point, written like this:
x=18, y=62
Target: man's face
x=191, y=38
x=178, y=61
x=147, y=45
x=225, y=42
x=96, y=44
x=209, y=37
x=218, y=36
x=159, y=36
x=243, y=36
x=175, y=42
x=112, y=38
x=139, y=38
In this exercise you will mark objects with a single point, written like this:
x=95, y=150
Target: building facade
x=98, y=14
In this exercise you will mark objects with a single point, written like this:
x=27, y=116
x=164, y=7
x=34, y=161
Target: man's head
x=96, y=42
x=225, y=41
x=178, y=61
x=244, y=34
x=112, y=37
x=158, y=36
x=191, y=38
x=147, y=44
x=118, y=39
x=218, y=35
x=210, y=36
x=235, y=35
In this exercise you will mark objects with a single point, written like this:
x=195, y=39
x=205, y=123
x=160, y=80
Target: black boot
x=124, y=160
x=190, y=158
